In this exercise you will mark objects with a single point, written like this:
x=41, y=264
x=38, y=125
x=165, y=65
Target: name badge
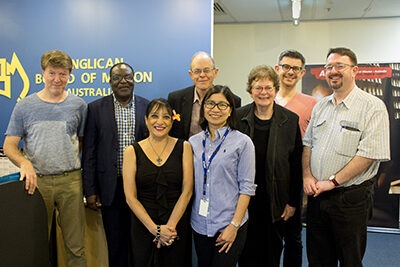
x=203, y=207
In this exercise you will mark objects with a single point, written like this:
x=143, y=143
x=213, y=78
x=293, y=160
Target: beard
x=335, y=86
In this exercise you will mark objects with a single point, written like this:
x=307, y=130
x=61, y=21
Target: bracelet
x=158, y=233
x=335, y=182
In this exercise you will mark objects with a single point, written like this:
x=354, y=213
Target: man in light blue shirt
x=347, y=138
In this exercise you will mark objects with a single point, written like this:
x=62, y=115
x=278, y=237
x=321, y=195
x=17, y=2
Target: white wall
x=239, y=47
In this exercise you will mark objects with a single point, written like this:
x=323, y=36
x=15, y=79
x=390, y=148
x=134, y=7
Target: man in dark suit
x=113, y=122
x=187, y=102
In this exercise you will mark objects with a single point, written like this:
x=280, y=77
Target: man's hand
x=92, y=202
x=28, y=173
x=288, y=212
x=323, y=186
x=309, y=185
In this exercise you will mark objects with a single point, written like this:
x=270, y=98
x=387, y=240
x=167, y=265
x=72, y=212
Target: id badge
x=203, y=207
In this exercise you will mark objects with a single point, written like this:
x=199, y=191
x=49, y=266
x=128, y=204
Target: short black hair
x=343, y=51
x=121, y=63
x=219, y=89
x=158, y=103
x=292, y=54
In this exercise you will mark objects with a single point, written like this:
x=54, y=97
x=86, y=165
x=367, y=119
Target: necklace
x=159, y=159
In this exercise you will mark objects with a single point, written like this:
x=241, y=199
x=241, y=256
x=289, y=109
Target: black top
x=158, y=190
x=260, y=140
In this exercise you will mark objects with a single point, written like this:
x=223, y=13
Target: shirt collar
x=130, y=104
x=351, y=98
x=348, y=102
x=196, y=96
x=218, y=133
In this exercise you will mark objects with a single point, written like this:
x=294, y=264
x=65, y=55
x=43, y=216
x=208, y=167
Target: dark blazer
x=100, y=146
x=284, y=179
x=182, y=102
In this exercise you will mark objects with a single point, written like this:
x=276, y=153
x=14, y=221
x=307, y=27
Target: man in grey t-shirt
x=51, y=123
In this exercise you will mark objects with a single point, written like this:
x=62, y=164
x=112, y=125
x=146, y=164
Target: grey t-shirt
x=50, y=132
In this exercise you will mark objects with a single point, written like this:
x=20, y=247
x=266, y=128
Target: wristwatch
x=333, y=180
x=235, y=224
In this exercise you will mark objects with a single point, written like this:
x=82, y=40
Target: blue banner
x=156, y=37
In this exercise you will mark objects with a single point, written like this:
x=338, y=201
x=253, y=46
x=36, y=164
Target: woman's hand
x=226, y=238
x=288, y=212
x=167, y=236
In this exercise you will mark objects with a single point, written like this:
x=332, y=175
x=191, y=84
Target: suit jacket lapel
x=187, y=105
x=109, y=117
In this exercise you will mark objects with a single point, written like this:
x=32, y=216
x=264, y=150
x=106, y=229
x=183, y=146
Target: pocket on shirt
x=348, y=138
x=318, y=130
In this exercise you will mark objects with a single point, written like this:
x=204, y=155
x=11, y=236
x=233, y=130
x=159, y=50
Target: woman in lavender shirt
x=224, y=168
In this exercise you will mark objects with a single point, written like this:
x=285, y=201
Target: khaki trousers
x=64, y=192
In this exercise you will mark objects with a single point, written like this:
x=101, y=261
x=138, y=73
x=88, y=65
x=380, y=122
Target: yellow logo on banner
x=8, y=69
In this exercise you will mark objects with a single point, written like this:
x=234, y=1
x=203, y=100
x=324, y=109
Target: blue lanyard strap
x=206, y=166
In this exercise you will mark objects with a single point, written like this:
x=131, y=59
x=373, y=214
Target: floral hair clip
x=176, y=116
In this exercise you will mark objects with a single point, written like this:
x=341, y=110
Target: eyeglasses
x=337, y=66
x=118, y=78
x=286, y=68
x=260, y=88
x=205, y=70
x=220, y=105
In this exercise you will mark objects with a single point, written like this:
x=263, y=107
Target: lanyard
x=206, y=166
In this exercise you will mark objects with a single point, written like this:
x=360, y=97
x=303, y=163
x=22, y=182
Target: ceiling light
x=296, y=10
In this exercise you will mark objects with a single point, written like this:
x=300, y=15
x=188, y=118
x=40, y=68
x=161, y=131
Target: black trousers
x=293, y=248
x=337, y=226
x=264, y=243
x=116, y=221
x=207, y=252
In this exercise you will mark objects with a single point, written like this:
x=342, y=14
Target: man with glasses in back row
x=347, y=138
x=290, y=69
x=187, y=102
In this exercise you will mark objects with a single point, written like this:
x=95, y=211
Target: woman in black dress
x=158, y=184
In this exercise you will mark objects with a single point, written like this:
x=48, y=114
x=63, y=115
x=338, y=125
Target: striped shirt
x=359, y=125
x=125, y=119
